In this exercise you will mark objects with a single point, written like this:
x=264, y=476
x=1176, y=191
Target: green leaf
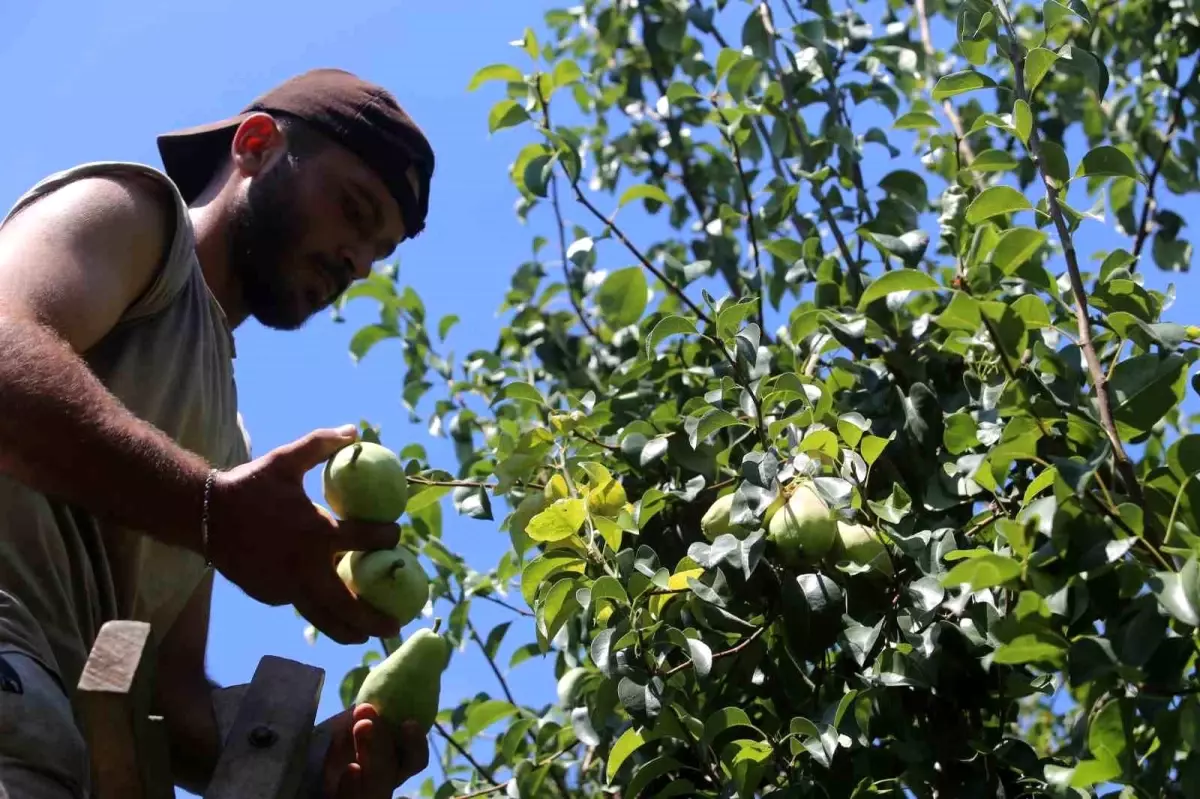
x=495, y=72
x=961, y=314
x=643, y=191
x=916, y=120
x=1022, y=120
x=1056, y=13
x=726, y=719
x=487, y=713
x=1055, y=162
x=444, y=326
x=519, y=390
x=1032, y=310
x=986, y=571
x=681, y=91
x=1081, y=62
x=622, y=296
x=993, y=160
x=897, y=280
x=994, y=201
x=1016, y=246
x=1037, y=64
x=1108, y=735
x=624, y=746
x=1109, y=161
x=699, y=428
x=566, y=72
x=669, y=326
x=367, y=337
x=543, y=567
x=957, y=83
x=561, y=520
x=506, y=114
x=1145, y=389
x=1039, y=646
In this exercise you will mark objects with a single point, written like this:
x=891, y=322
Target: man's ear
x=257, y=142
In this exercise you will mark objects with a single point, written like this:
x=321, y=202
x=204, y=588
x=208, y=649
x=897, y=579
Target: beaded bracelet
x=208, y=483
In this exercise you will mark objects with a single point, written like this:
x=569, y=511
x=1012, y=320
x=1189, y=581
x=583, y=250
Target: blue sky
x=99, y=81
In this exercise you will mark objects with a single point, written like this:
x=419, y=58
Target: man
x=125, y=479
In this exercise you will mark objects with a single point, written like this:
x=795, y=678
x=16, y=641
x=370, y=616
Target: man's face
x=304, y=229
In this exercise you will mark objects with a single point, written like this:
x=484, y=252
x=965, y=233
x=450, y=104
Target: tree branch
x=508, y=694
x=502, y=603
x=487, y=773
x=617, y=231
x=1103, y=395
x=754, y=636
x=1151, y=202
x=792, y=115
x=930, y=52
x=762, y=277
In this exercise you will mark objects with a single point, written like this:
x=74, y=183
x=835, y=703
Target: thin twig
x=502, y=603
x=673, y=127
x=1103, y=395
x=651, y=268
x=792, y=118
x=508, y=694
x=597, y=442
x=1151, y=202
x=676, y=290
x=717, y=656
x=562, y=245
x=930, y=53
x=500, y=786
x=484, y=771
x=749, y=198
x=482, y=791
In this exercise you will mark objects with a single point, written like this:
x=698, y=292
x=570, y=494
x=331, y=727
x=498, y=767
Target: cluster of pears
x=365, y=481
x=803, y=529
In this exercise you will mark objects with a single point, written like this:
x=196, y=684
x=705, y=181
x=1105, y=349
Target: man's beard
x=262, y=235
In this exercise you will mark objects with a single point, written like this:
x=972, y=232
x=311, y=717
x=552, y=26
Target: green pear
x=390, y=580
x=861, y=545
x=804, y=529
x=365, y=481
x=716, y=521
x=407, y=684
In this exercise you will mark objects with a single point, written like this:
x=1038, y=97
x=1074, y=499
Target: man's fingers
x=334, y=598
x=366, y=536
x=414, y=748
x=304, y=453
x=329, y=623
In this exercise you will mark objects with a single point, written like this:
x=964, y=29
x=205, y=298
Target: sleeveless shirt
x=169, y=360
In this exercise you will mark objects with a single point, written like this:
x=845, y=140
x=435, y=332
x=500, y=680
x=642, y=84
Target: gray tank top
x=63, y=572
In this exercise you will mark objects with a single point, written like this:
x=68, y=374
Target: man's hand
x=268, y=538
x=368, y=758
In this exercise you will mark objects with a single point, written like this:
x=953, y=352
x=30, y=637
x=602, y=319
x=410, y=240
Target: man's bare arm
x=70, y=264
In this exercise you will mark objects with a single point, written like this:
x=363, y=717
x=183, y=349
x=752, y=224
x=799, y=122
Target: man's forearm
x=64, y=434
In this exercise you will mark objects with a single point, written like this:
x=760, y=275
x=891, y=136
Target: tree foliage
x=734, y=292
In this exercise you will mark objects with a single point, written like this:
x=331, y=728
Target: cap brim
x=192, y=155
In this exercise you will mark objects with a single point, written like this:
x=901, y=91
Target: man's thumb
x=303, y=454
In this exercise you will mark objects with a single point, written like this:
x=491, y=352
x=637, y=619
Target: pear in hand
x=390, y=580
x=365, y=482
x=407, y=685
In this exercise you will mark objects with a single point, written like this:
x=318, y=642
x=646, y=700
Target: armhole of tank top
x=178, y=265
x=175, y=269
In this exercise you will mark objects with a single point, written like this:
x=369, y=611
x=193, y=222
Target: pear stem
x=437, y=624
x=357, y=451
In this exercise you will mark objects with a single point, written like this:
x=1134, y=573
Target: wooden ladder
x=271, y=749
